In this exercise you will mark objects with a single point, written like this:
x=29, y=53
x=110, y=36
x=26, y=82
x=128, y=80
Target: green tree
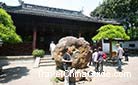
x=111, y=32
x=124, y=10
x=7, y=29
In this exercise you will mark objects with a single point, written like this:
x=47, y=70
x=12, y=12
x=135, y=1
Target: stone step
x=46, y=58
x=46, y=61
x=47, y=64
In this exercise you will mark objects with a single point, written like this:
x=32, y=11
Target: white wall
x=126, y=44
x=105, y=47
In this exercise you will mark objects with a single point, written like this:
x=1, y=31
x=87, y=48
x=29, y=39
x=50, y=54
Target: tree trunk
x=110, y=41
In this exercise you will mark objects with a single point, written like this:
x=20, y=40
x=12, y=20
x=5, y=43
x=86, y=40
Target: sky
x=86, y=5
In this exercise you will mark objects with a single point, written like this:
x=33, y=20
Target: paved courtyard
x=23, y=73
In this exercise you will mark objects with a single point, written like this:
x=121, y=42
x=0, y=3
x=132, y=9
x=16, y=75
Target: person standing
x=67, y=61
x=100, y=60
x=67, y=58
x=52, y=47
x=94, y=57
x=126, y=54
x=120, y=52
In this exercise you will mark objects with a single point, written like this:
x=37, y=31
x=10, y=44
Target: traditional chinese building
x=39, y=25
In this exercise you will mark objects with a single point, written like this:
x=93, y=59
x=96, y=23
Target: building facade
x=39, y=25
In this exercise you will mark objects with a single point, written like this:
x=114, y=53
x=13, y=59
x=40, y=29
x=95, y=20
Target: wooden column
x=34, y=38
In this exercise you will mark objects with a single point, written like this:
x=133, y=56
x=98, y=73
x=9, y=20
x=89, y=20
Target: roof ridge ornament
x=2, y=4
x=82, y=10
x=21, y=2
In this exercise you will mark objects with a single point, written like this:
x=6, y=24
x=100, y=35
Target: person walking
x=120, y=52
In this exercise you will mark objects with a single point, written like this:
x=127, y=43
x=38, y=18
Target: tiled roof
x=53, y=12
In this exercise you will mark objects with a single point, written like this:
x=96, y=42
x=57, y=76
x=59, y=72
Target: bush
x=38, y=53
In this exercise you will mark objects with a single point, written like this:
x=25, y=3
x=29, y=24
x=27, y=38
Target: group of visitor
x=97, y=59
x=99, y=56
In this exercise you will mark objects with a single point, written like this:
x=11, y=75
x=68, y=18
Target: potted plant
x=38, y=53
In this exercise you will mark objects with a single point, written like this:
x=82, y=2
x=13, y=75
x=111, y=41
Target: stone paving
x=23, y=73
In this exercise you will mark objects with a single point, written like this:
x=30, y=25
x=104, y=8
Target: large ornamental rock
x=81, y=51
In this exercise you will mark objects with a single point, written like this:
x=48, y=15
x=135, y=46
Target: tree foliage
x=7, y=29
x=133, y=33
x=111, y=32
x=124, y=10
x=117, y=9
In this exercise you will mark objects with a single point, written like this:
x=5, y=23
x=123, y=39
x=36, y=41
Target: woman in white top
x=94, y=57
x=52, y=47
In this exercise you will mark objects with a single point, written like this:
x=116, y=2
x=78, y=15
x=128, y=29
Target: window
x=106, y=41
x=131, y=45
